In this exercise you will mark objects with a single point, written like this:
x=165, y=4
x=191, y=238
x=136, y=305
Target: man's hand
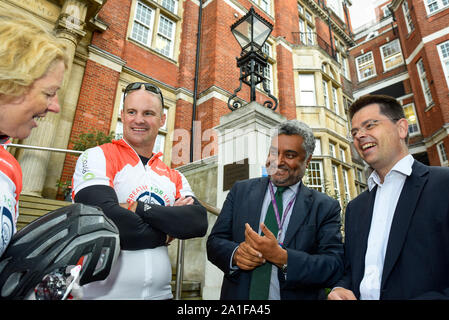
x=266, y=244
x=128, y=206
x=183, y=201
x=133, y=207
x=246, y=258
x=341, y=294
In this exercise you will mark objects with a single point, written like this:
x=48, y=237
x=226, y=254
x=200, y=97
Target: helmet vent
x=48, y=243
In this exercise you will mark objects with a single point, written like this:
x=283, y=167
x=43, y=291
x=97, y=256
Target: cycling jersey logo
x=7, y=229
x=150, y=198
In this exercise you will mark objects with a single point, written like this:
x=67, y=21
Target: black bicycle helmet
x=67, y=236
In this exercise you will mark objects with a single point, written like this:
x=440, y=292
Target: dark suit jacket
x=416, y=262
x=313, y=241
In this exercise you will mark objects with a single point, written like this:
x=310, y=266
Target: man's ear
x=403, y=128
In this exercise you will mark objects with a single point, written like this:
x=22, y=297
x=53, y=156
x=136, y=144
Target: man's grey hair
x=295, y=127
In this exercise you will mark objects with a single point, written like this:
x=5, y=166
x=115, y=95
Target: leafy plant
x=91, y=139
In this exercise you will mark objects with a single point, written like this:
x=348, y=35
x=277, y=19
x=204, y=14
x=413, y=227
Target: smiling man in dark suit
x=275, y=238
x=397, y=232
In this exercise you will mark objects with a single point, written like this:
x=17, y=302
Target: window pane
x=170, y=5
x=365, y=66
x=307, y=89
x=392, y=55
x=315, y=176
x=142, y=24
x=165, y=36
x=411, y=118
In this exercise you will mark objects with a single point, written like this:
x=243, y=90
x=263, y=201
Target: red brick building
x=406, y=55
x=187, y=49
x=157, y=40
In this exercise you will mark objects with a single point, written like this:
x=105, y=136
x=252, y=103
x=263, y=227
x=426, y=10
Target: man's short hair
x=389, y=106
x=295, y=127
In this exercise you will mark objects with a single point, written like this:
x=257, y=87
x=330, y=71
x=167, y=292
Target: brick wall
x=94, y=109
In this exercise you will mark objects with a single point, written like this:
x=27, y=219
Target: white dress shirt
x=385, y=203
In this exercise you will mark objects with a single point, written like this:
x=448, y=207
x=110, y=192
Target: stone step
x=31, y=208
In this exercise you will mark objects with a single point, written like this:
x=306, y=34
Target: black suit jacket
x=313, y=241
x=416, y=264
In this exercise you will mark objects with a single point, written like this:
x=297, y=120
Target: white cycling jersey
x=10, y=188
x=139, y=274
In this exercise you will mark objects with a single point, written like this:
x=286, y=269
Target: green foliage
x=91, y=139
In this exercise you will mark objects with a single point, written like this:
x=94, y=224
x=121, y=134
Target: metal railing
x=313, y=39
x=181, y=248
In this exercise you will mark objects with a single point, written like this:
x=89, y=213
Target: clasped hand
x=257, y=249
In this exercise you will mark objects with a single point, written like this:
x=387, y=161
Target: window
x=342, y=155
x=424, y=83
x=365, y=66
x=344, y=67
x=268, y=71
x=435, y=5
x=310, y=35
x=408, y=17
x=143, y=24
x=335, y=100
x=391, y=55
x=170, y=5
x=315, y=175
x=317, y=151
x=385, y=11
x=335, y=181
x=443, y=50
x=332, y=150
x=308, y=16
x=165, y=36
x=346, y=185
x=326, y=94
x=442, y=153
x=302, y=30
x=360, y=175
x=410, y=115
x=306, y=27
x=372, y=35
x=160, y=37
x=264, y=4
x=337, y=7
x=307, y=90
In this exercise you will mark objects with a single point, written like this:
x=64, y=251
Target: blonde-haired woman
x=32, y=66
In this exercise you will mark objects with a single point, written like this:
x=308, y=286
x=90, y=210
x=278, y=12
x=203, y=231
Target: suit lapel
x=299, y=213
x=255, y=201
x=405, y=209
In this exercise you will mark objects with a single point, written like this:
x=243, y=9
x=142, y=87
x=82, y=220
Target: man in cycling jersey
x=149, y=202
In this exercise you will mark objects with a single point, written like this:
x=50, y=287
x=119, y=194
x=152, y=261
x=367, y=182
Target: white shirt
x=137, y=274
x=385, y=203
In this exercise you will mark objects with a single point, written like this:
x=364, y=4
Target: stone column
x=244, y=136
x=70, y=29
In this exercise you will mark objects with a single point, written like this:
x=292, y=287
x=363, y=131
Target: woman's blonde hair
x=27, y=51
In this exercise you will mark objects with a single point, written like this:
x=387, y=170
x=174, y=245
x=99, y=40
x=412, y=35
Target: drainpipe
x=181, y=247
x=330, y=32
x=195, y=89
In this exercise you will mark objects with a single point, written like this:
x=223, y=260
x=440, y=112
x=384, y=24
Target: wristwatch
x=284, y=268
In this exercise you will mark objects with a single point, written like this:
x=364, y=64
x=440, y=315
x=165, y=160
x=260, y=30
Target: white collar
x=403, y=166
x=293, y=187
